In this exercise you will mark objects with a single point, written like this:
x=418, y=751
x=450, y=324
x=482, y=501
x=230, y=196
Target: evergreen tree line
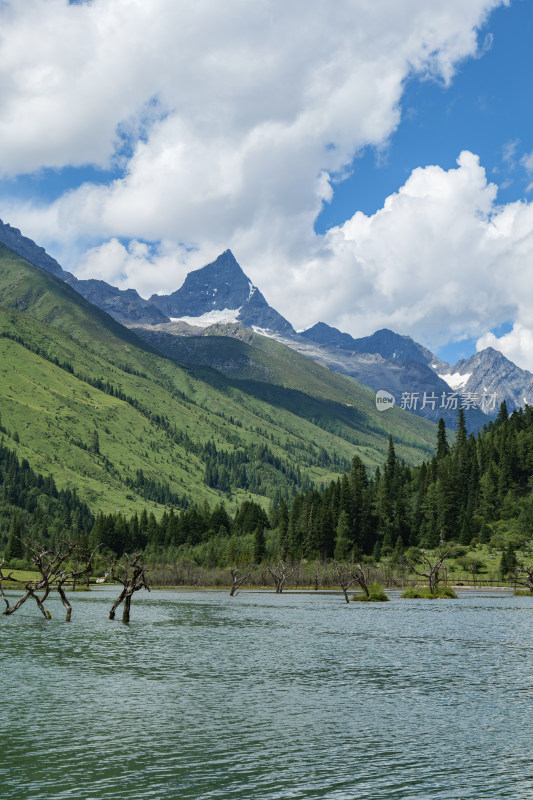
x=254, y=468
x=468, y=491
x=187, y=528
x=31, y=506
x=462, y=494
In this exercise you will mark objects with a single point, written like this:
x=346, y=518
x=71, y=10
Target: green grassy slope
x=67, y=370
x=265, y=369
x=28, y=288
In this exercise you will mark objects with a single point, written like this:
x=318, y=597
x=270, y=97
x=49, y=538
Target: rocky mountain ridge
x=125, y=306
x=386, y=343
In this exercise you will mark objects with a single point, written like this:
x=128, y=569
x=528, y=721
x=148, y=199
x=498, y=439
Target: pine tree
x=232, y=551
x=295, y=533
x=326, y=539
x=95, y=443
x=461, y=434
x=220, y=518
x=343, y=544
x=397, y=553
x=465, y=534
x=15, y=548
x=429, y=532
x=488, y=494
x=391, y=468
x=443, y=448
x=508, y=561
x=283, y=515
x=503, y=413
x=259, y=543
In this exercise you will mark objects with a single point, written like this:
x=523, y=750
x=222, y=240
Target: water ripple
x=268, y=697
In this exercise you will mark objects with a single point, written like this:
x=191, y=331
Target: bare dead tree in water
x=523, y=576
x=362, y=578
x=131, y=573
x=237, y=579
x=81, y=566
x=434, y=565
x=281, y=573
x=56, y=567
x=349, y=574
x=345, y=578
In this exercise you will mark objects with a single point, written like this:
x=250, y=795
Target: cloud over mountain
x=227, y=126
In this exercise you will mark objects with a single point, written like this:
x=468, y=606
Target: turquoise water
x=264, y=696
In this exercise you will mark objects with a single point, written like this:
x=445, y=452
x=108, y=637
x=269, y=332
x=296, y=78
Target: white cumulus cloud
x=224, y=115
x=440, y=259
x=230, y=123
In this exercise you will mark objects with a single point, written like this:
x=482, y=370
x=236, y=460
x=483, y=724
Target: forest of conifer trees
x=478, y=489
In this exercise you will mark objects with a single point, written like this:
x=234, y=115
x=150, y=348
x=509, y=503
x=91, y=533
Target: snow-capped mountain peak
x=221, y=292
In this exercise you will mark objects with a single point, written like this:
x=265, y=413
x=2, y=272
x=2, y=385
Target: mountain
x=404, y=367
x=221, y=292
x=390, y=362
x=490, y=376
x=27, y=248
x=123, y=305
x=414, y=385
x=487, y=377
x=83, y=399
x=389, y=345
x=321, y=333
x=395, y=347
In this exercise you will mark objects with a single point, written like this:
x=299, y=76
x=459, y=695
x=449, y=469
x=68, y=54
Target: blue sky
x=485, y=109
x=139, y=142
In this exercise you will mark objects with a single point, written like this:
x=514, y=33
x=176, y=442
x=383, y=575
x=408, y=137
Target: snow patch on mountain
x=266, y=332
x=456, y=380
x=222, y=315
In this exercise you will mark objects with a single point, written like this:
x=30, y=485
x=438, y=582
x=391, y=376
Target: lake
x=269, y=697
